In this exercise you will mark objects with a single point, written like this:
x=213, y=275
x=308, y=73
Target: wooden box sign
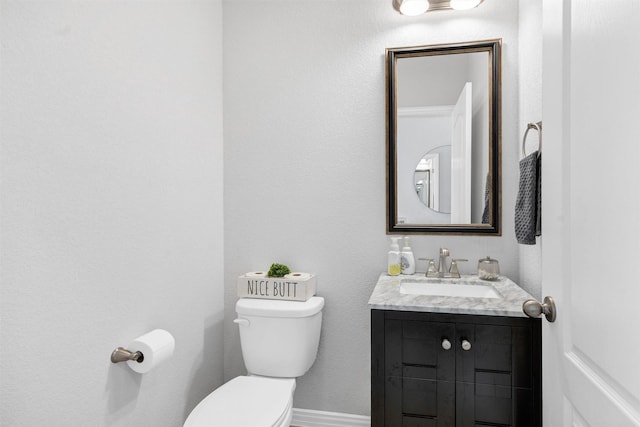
x=280, y=288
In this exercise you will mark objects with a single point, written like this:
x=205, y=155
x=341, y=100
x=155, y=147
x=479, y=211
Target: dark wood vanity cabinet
x=417, y=380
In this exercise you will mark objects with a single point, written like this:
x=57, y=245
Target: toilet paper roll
x=298, y=275
x=256, y=274
x=155, y=346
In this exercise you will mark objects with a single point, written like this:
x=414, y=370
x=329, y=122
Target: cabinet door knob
x=466, y=345
x=446, y=344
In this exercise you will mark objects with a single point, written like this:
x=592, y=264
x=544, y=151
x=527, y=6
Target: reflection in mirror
x=432, y=179
x=443, y=100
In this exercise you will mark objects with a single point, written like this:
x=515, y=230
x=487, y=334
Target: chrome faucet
x=442, y=271
x=442, y=264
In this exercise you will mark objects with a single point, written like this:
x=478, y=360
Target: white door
x=461, y=119
x=591, y=212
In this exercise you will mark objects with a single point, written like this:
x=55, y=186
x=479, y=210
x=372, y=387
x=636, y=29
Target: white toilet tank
x=279, y=338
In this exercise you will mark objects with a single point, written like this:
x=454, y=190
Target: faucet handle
x=453, y=270
x=431, y=267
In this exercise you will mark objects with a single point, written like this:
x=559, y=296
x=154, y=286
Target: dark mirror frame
x=493, y=47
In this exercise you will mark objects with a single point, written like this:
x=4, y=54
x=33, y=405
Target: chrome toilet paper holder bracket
x=121, y=354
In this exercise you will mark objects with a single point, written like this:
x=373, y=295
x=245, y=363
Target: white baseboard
x=311, y=418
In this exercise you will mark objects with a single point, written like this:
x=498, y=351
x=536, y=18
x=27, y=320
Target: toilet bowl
x=246, y=401
x=279, y=341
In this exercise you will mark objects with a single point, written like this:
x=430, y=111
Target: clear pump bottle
x=394, y=267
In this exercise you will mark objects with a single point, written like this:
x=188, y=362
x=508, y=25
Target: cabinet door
x=419, y=373
x=415, y=349
x=495, y=385
x=488, y=358
x=414, y=402
x=495, y=405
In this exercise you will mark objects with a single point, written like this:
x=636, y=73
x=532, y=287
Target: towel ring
x=537, y=126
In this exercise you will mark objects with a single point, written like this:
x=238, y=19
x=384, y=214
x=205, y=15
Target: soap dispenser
x=393, y=259
x=407, y=259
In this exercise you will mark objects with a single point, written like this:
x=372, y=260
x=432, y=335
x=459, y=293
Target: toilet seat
x=246, y=402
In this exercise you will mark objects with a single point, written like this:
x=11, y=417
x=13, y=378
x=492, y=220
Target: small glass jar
x=488, y=269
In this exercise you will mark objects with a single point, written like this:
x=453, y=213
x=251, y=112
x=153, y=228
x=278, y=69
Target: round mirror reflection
x=432, y=179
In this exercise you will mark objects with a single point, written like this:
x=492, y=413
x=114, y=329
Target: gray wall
x=530, y=256
x=111, y=208
x=304, y=129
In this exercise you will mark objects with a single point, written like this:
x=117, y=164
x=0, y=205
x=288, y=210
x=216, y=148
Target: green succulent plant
x=278, y=270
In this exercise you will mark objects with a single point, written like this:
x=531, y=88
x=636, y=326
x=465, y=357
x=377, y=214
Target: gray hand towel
x=539, y=198
x=528, y=203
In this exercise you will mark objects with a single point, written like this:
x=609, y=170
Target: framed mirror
x=443, y=138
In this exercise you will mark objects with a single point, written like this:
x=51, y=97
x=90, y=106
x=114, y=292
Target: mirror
x=443, y=138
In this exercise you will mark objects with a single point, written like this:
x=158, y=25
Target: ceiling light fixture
x=418, y=7
x=413, y=7
x=464, y=4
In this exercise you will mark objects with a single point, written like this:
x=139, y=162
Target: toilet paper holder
x=121, y=354
x=146, y=352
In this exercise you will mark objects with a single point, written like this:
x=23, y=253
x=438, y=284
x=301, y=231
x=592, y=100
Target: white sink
x=446, y=288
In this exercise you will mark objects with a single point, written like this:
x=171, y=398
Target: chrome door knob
x=466, y=345
x=534, y=309
x=446, y=344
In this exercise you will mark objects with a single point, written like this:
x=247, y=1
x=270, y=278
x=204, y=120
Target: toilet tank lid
x=279, y=308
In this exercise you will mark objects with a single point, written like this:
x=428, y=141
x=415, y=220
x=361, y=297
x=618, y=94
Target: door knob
x=446, y=344
x=466, y=345
x=533, y=308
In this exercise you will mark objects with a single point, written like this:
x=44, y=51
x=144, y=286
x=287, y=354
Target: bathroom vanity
x=442, y=358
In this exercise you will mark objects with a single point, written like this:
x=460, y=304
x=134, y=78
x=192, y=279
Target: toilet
x=279, y=341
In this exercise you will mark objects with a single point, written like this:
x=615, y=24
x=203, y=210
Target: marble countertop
x=386, y=296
